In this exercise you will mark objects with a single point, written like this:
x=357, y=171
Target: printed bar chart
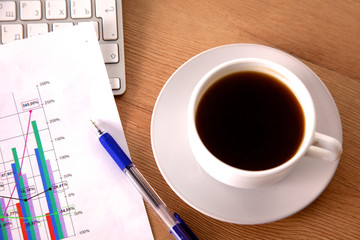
x=54, y=212
x=25, y=207
x=33, y=201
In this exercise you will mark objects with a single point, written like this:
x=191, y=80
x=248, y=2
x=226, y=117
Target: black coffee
x=250, y=120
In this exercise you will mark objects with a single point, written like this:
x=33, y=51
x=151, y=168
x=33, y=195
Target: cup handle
x=325, y=147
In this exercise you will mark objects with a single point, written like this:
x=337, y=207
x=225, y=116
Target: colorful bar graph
x=45, y=177
x=53, y=212
x=28, y=220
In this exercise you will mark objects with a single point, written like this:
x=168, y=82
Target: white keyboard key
x=110, y=52
x=96, y=26
x=30, y=10
x=115, y=83
x=80, y=8
x=11, y=32
x=106, y=9
x=62, y=25
x=34, y=29
x=55, y=9
x=7, y=11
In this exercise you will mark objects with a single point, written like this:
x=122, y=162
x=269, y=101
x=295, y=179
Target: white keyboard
x=26, y=18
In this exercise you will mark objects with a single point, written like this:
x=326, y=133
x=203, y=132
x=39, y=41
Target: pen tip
x=98, y=130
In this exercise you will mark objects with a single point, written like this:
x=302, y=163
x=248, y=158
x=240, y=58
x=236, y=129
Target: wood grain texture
x=161, y=35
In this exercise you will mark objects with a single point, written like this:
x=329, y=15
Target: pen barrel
x=150, y=196
x=115, y=151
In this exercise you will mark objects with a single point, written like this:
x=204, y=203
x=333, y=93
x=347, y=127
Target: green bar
x=47, y=178
x=22, y=186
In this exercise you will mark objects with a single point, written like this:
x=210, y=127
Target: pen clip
x=185, y=227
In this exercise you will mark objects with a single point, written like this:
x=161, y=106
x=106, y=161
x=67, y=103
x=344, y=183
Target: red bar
x=22, y=222
x=50, y=225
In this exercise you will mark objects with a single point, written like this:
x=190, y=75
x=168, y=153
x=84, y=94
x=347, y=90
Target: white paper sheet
x=61, y=78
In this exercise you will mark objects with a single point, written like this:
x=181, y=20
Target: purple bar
x=58, y=206
x=8, y=227
x=31, y=206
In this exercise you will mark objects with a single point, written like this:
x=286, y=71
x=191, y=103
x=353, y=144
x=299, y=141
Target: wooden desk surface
x=161, y=35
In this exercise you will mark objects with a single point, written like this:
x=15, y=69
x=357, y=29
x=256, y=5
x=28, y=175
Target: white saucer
x=243, y=206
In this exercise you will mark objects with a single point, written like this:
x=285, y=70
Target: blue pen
x=174, y=223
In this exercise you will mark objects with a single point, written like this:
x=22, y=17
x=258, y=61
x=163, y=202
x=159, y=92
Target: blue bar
x=43, y=179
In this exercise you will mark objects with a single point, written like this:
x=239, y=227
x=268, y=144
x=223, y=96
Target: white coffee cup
x=316, y=145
